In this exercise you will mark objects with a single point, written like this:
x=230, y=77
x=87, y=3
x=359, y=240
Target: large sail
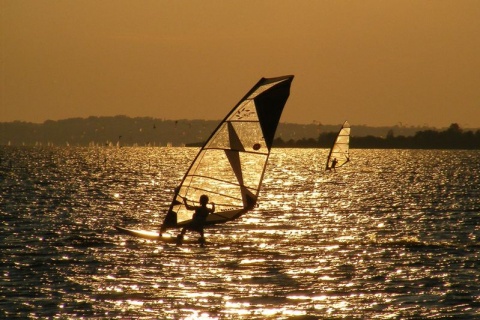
x=339, y=153
x=229, y=168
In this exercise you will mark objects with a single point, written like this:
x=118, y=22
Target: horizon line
x=399, y=124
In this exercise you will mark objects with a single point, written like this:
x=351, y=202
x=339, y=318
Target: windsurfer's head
x=203, y=199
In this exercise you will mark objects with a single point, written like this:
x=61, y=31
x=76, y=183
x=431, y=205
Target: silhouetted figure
x=198, y=219
x=334, y=164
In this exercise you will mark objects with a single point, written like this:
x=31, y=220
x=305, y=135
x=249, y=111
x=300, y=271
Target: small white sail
x=339, y=153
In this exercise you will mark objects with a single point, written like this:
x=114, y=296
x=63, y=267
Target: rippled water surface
x=393, y=235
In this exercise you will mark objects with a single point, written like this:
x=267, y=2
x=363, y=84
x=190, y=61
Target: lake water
x=395, y=234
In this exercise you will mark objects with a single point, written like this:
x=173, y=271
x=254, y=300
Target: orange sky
x=369, y=62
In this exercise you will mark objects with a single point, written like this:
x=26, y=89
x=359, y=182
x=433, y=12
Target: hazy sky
x=370, y=62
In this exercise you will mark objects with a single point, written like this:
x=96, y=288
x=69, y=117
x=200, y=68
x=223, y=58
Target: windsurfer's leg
x=184, y=230
x=201, y=240
x=180, y=236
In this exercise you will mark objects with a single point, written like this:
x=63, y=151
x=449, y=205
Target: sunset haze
x=369, y=62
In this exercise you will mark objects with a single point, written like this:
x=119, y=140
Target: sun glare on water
x=395, y=238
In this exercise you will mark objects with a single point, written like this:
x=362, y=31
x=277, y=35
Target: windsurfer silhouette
x=198, y=219
x=334, y=163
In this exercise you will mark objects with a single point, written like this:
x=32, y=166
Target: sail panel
x=251, y=135
x=240, y=136
x=245, y=112
x=230, y=166
x=261, y=89
x=252, y=168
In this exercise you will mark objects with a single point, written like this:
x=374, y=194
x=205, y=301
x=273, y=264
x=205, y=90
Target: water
x=393, y=235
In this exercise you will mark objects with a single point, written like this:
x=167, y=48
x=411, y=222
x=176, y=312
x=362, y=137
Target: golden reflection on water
x=384, y=237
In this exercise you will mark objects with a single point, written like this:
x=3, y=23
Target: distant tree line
x=147, y=131
x=452, y=138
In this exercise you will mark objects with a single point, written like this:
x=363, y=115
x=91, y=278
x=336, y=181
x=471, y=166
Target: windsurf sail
x=229, y=168
x=339, y=153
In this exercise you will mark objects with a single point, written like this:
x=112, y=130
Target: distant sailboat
x=339, y=153
x=229, y=168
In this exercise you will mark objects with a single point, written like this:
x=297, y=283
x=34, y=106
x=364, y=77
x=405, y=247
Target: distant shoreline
x=125, y=131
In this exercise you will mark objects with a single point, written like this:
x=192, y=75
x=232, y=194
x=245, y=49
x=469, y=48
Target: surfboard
x=153, y=235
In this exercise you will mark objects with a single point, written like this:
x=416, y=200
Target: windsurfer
x=198, y=219
x=334, y=164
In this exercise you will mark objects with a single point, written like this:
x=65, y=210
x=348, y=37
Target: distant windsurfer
x=334, y=164
x=198, y=219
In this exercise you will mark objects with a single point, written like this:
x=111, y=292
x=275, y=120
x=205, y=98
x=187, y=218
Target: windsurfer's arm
x=189, y=207
x=213, y=208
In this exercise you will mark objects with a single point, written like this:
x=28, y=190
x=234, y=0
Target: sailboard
x=339, y=152
x=154, y=235
x=230, y=166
